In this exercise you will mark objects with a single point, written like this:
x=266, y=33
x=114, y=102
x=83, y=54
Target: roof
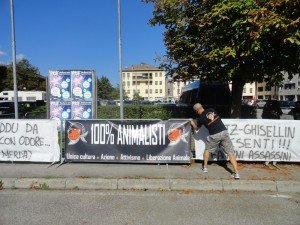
x=142, y=67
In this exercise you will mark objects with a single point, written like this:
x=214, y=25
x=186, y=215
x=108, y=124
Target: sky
x=80, y=34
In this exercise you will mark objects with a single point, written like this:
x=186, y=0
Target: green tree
x=136, y=96
x=116, y=93
x=28, y=77
x=104, y=88
x=230, y=40
x=3, y=77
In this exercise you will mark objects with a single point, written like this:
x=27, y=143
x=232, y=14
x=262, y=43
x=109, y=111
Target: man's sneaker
x=205, y=170
x=236, y=176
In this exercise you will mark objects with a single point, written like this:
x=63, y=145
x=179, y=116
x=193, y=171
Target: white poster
x=258, y=140
x=29, y=140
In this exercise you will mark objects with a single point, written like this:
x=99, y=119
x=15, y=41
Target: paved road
x=144, y=207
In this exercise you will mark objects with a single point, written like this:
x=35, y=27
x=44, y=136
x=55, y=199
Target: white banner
x=257, y=140
x=29, y=140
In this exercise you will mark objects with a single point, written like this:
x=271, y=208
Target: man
x=218, y=135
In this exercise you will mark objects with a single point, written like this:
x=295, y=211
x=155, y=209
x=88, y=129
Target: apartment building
x=265, y=92
x=174, y=89
x=249, y=91
x=290, y=88
x=146, y=80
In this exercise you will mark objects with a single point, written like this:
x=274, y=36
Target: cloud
x=2, y=53
x=20, y=56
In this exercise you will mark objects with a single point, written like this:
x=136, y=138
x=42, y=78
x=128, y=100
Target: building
x=249, y=91
x=174, y=89
x=257, y=90
x=23, y=95
x=290, y=89
x=147, y=81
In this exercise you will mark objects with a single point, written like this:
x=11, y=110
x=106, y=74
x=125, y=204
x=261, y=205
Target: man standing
x=218, y=135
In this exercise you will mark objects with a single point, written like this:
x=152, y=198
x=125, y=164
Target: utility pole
x=120, y=61
x=13, y=47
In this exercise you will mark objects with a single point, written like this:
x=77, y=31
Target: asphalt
x=282, y=178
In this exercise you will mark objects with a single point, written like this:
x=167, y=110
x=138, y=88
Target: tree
x=3, y=77
x=137, y=97
x=104, y=88
x=107, y=91
x=230, y=40
x=28, y=77
x=116, y=93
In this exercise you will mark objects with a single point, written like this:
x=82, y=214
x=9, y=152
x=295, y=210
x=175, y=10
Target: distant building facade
x=24, y=95
x=290, y=89
x=146, y=80
x=174, y=89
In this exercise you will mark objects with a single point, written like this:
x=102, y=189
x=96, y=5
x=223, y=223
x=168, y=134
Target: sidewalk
x=254, y=177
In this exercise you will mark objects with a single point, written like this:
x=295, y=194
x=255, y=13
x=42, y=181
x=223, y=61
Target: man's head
x=198, y=108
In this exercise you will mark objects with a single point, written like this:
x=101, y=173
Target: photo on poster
x=60, y=85
x=82, y=110
x=82, y=85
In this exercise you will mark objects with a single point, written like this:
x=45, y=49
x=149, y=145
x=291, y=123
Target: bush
x=134, y=112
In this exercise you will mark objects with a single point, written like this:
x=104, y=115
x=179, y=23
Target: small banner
x=29, y=140
x=128, y=141
x=257, y=140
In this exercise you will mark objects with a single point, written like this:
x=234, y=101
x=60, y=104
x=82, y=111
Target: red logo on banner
x=176, y=133
x=76, y=132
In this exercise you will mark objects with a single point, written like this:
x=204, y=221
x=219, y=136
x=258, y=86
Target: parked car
x=286, y=106
x=261, y=103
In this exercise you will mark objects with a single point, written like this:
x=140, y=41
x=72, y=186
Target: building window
x=128, y=83
x=268, y=88
x=244, y=90
x=31, y=98
x=155, y=74
x=5, y=93
x=260, y=89
x=156, y=82
x=160, y=82
x=156, y=91
x=128, y=75
x=128, y=91
x=124, y=83
x=160, y=74
x=151, y=82
x=123, y=74
x=169, y=91
x=250, y=90
x=150, y=91
x=160, y=91
x=289, y=86
x=133, y=82
x=146, y=91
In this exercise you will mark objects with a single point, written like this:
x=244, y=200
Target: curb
x=149, y=184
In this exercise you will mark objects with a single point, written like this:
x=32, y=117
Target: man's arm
x=194, y=125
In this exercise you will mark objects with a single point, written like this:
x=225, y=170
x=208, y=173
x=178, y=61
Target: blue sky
x=80, y=34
